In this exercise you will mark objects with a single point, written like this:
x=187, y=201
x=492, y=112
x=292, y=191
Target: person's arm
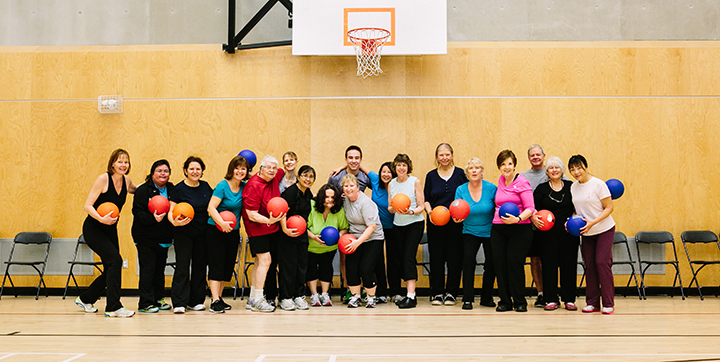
x=215, y=215
x=255, y=216
x=95, y=191
x=140, y=209
x=130, y=185
x=420, y=198
x=289, y=232
x=607, y=210
x=350, y=248
x=426, y=193
x=177, y=221
x=537, y=198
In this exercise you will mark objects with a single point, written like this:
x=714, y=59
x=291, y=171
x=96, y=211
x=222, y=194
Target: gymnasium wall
x=646, y=113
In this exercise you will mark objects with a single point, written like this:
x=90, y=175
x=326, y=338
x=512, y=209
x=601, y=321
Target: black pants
x=271, y=278
x=151, y=285
x=103, y=240
x=510, y=245
x=559, y=250
x=409, y=237
x=445, y=244
x=320, y=266
x=189, y=286
x=393, y=247
x=293, y=264
x=362, y=264
x=471, y=244
x=222, y=252
x=380, y=274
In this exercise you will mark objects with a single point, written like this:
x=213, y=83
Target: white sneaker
x=249, y=304
x=120, y=313
x=396, y=298
x=325, y=300
x=179, y=310
x=355, y=301
x=198, y=307
x=608, y=310
x=87, y=307
x=287, y=304
x=301, y=304
x=262, y=305
x=315, y=300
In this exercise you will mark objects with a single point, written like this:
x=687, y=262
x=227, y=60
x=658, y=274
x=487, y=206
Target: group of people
x=383, y=250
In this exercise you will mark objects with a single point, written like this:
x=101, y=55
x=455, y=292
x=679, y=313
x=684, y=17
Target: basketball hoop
x=368, y=43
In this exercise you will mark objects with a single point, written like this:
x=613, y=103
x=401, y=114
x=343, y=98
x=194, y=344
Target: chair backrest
x=699, y=236
x=654, y=237
x=619, y=238
x=33, y=238
x=81, y=239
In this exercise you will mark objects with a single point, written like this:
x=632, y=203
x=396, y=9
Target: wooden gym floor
x=658, y=329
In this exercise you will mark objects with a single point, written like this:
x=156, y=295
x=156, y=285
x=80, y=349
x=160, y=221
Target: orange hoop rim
x=356, y=39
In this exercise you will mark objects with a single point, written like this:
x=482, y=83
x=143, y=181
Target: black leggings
x=190, y=257
x=559, y=250
x=409, y=237
x=445, y=244
x=510, y=246
x=222, y=251
x=103, y=240
x=394, y=250
x=293, y=264
x=320, y=266
x=362, y=264
x=472, y=243
x=151, y=285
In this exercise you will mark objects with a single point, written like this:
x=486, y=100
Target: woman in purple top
x=510, y=235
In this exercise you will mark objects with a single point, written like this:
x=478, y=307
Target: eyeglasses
x=270, y=168
x=307, y=176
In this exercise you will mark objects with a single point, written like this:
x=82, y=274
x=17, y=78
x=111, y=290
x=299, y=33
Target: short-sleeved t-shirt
x=363, y=180
x=256, y=194
x=479, y=222
x=361, y=213
x=230, y=201
x=199, y=198
x=380, y=198
x=587, y=200
x=316, y=224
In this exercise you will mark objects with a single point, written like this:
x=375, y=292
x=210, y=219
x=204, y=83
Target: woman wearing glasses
x=559, y=248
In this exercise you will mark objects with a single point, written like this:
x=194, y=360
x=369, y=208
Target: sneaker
x=346, y=297
x=197, y=307
x=301, y=303
x=467, y=306
x=540, y=301
x=163, y=304
x=249, y=304
x=397, y=298
x=287, y=304
x=216, y=307
x=437, y=300
x=381, y=300
x=449, y=299
x=179, y=310
x=407, y=302
x=590, y=309
x=149, y=309
x=225, y=305
x=262, y=306
x=570, y=306
x=315, y=300
x=488, y=303
x=370, y=302
x=87, y=307
x=120, y=313
x=354, y=301
x=363, y=294
x=552, y=306
x=608, y=310
x=271, y=302
x=325, y=300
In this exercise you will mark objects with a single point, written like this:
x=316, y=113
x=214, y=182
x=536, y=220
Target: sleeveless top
x=407, y=188
x=111, y=196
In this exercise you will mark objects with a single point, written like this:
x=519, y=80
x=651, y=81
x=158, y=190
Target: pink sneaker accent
x=570, y=306
x=590, y=309
x=609, y=310
x=552, y=306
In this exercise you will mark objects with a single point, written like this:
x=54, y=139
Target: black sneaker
x=217, y=307
x=225, y=305
x=467, y=305
x=540, y=302
x=407, y=302
x=437, y=300
x=487, y=303
x=449, y=299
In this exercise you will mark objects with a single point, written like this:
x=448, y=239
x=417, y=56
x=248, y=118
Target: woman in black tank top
x=100, y=232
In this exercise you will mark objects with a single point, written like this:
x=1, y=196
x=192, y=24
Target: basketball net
x=368, y=43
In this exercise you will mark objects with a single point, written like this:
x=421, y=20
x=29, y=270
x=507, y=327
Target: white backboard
x=416, y=26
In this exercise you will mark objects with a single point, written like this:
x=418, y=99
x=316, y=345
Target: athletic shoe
x=346, y=297
x=315, y=300
x=449, y=299
x=608, y=310
x=437, y=300
x=249, y=304
x=363, y=294
x=381, y=300
x=488, y=303
x=552, y=306
x=325, y=300
x=197, y=307
x=570, y=306
x=149, y=309
x=87, y=307
x=120, y=313
x=163, y=305
x=216, y=307
x=590, y=309
x=263, y=306
x=407, y=302
x=540, y=301
x=397, y=298
x=179, y=310
x=271, y=302
x=467, y=306
x=370, y=302
x=301, y=303
x=354, y=301
x=225, y=305
x=287, y=304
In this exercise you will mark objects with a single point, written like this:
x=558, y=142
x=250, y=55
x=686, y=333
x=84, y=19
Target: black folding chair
x=29, y=240
x=658, y=238
x=618, y=239
x=74, y=262
x=246, y=266
x=700, y=237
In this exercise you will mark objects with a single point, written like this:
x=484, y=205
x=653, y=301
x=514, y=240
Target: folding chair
x=423, y=263
x=661, y=238
x=27, y=239
x=246, y=265
x=699, y=237
x=618, y=239
x=74, y=262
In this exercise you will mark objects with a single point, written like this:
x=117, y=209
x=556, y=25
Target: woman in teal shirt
x=480, y=195
x=222, y=238
x=326, y=210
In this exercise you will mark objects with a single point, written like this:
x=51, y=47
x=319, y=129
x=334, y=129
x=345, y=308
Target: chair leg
x=697, y=284
x=642, y=282
x=677, y=270
x=3, y=283
x=637, y=286
x=68, y=282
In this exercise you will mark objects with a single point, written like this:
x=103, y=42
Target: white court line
x=8, y=355
x=332, y=358
x=74, y=355
x=260, y=358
